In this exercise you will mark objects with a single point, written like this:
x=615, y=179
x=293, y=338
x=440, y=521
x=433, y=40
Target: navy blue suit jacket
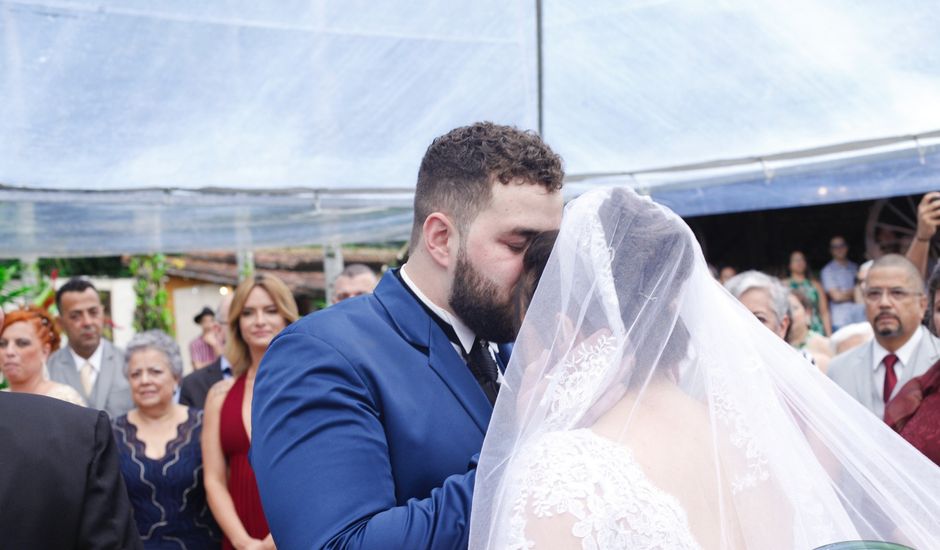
x=364, y=423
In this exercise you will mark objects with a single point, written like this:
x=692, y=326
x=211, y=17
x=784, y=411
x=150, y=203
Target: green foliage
x=110, y=266
x=151, y=311
x=7, y=272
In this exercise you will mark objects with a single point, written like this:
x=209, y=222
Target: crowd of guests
x=182, y=441
x=873, y=329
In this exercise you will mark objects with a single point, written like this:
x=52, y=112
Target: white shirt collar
x=464, y=334
x=95, y=359
x=904, y=353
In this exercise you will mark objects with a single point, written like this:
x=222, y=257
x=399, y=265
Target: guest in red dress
x=915, y=413
x=261, y=308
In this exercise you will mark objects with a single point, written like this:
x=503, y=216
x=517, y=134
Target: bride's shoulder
x=576, y=484
x=66, y=393
x=568, y=451
x=577, y=440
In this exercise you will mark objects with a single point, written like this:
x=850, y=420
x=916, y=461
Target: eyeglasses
x=874, y=295
x=838, y=245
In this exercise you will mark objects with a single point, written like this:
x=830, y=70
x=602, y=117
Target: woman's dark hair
x=649, y=244
x=804, y=301
x=533, y=264
x=809, y=271
x=644, y=240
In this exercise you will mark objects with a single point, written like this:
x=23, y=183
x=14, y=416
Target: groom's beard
x=475, y=300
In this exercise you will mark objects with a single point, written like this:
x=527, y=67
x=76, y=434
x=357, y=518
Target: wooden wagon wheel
x=891, y=226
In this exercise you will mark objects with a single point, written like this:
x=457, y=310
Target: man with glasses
x=902, y=348
x=838, y=280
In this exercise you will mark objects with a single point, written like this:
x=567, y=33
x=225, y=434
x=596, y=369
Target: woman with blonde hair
x=261, y=307
x=27, y=339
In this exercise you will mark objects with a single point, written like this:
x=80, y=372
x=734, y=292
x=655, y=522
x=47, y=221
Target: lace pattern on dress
x=599, y=484
x=573, y=386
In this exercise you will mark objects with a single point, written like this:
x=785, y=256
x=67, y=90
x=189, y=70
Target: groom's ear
x=440, y=239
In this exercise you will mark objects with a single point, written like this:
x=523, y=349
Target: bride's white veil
x=630, y=338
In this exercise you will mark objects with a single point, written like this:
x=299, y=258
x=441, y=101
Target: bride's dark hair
x=648, y=244
x=533, y=264
x=653, y=254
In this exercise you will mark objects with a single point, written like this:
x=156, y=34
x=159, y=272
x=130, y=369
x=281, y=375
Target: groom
x=366, y=416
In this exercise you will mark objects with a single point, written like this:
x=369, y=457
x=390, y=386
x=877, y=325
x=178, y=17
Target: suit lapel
x=414, y=324
x=67, y=373
x=923, y=358
x=863, y=379
x=450, y=367
x=105, y=375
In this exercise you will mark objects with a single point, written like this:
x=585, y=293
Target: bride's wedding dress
x=596, y=495
x=645, y=408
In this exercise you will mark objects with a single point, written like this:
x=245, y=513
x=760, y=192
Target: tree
x=151, y=311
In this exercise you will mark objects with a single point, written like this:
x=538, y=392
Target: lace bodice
x=598, y=485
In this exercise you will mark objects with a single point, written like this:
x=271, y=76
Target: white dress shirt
x=464, y=334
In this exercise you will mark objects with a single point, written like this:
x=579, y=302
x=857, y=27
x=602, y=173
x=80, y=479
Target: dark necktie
x=891, y=378
x=479, y=360
x=484, y=368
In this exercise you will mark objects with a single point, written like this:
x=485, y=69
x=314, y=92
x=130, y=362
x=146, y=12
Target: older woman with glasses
x=160, y=450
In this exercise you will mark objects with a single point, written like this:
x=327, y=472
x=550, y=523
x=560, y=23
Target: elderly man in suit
x=46, y=502
x=367, y=415
x=90, y=364
x=901, y=349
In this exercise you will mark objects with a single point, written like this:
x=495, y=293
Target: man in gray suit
x=90, y=364
x=902, y=348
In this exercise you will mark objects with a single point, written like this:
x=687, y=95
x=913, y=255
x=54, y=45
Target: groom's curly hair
x=459, y=169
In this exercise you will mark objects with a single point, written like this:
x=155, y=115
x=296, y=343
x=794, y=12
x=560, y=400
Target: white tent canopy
x=133, y=127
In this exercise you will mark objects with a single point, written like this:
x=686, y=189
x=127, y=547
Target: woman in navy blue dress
x=160, y=452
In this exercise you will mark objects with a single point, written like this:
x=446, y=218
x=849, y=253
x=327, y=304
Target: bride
x=646, y=408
